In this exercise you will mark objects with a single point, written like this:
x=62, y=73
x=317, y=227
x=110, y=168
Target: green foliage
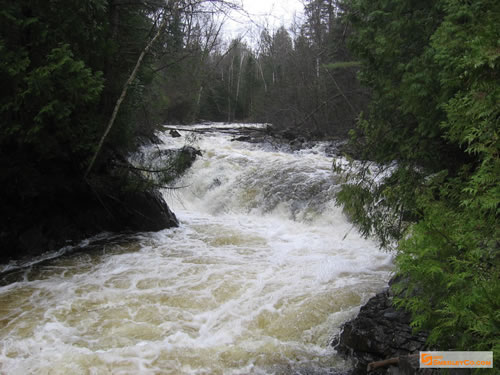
x=452, y=258
x=435, y=114
x=343, y=65
x=64, y=63
x=53, y=93
x=49, y=90
x=379, y=200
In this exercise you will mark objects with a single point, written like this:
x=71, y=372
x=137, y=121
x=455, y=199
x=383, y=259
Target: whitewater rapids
x=258, y=278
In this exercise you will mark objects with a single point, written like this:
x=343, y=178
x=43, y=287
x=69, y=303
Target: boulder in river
x=380, y=332
x=174, y=133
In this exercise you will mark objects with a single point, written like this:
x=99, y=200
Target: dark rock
x=145, y=211
x=215, y=183
x=31, y=237
x=81, y=214
x=410, y=365
x=289, y=134
x=189, y=154
x=76, y=211
x=179, y=159
x=175, y=134
x=146, y=140
x=380, y=331
x=243, y=138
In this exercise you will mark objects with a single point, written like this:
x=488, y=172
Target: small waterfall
x=258, y=278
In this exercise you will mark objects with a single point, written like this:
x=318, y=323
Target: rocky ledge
x=68, y=210
x=381, y=336
x=71, y=216
x=380, y=340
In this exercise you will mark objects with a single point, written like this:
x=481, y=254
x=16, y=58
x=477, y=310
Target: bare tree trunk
x=239, y=77
x=198, y=100
x=124, y=93
x=230, y=86
x=262, y=75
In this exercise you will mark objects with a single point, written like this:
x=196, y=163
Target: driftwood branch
x=143, y=169
x=387, y=362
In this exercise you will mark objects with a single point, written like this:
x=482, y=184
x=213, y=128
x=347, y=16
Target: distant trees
x=298, y=80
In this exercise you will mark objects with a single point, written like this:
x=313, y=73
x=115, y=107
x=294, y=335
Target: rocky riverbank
x=381, y=332
x=71, y=216
x=380, y=340
x=115, y=199
x=287, y=139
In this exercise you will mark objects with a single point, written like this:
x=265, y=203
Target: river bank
x=118, y=198
x=380, y=339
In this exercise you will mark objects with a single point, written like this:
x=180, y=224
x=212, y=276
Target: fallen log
x=387, y=362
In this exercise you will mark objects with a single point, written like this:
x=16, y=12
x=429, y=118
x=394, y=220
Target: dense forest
x=433, y=68
x=414, y=84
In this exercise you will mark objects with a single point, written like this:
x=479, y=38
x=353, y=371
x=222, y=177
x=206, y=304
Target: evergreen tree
x=433, y=67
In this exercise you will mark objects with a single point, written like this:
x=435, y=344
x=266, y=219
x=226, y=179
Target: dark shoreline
x=81, y=214
x=380, y=332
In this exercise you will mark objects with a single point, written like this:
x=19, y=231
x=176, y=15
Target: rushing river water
x=257, y=279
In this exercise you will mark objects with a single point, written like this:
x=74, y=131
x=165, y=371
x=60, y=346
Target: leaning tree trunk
x=123, y=94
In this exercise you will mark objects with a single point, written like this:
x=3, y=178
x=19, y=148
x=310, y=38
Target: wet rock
x=186, y=157
x=191, y=152
x=145, y=211
x=178, y=160
x=31, y=237
x=146, y=140
x=174, y=133
x=289, y=134
x=81, y=213
x=380, y=331
x=243, y=138
x=215, y=183
x=68, y=213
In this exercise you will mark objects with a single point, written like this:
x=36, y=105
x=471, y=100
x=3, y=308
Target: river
x=257, y=279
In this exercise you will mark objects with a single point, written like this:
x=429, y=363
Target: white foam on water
x=256, y=280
